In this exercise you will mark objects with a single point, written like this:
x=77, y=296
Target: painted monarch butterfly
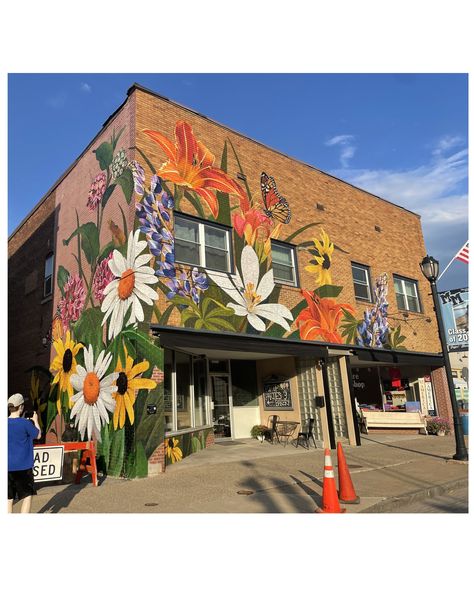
x=276, y=206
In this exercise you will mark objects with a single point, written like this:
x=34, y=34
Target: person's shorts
x=21, y=484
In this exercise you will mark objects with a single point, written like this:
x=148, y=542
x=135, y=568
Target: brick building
x=203, y=282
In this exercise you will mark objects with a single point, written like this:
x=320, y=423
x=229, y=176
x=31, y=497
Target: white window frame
x=202, y=243
x=366, y=270
x=47, y=277
x=402, y=280
x=293, y=266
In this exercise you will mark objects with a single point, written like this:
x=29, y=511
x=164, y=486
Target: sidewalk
x=271, y=479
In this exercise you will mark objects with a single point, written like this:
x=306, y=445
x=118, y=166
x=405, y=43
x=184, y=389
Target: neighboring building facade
x=217, y=282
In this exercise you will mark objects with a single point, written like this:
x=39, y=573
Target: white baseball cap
x=16, y=400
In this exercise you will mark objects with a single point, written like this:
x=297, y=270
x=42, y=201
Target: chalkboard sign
x=277, y=394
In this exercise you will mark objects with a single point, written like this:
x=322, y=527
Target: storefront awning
x=392, y=357
x=178, y=338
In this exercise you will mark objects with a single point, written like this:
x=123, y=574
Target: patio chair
x=272, y=426
x=309, y=434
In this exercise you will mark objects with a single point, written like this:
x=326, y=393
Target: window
x=284, y=263
x=406, y=292
x=361, y=279
x=48, y=275
x=185, y=383
x=200, y=243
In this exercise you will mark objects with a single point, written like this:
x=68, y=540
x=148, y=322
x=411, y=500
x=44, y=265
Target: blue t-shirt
x=21, y=433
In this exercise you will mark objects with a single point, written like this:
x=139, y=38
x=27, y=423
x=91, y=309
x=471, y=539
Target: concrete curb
x=402, y=500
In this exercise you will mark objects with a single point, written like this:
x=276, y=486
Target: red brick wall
x=443, y=401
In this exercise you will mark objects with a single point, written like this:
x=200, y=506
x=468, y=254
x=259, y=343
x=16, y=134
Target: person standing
x=21, y=433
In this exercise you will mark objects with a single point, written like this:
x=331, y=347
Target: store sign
x=429, y=396
x=277, y=394
x=48, y=463
x=455, y=313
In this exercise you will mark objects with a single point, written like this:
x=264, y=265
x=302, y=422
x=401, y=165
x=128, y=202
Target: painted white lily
x=248, y=293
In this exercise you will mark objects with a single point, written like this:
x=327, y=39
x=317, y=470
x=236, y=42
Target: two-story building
x=197, y=282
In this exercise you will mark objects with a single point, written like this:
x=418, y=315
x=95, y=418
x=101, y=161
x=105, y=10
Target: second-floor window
x=48, y=275
x=406, y=292
x=284, y=263
x=201, y=243
x=361, y=279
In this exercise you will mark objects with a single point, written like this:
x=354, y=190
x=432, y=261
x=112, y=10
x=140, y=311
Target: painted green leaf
x=349, y=326
x=104, y=155
x=241, y=170
x=146, y=159
x=166, y=315
x=295, y=311
x=63, y=276
x=107, y=194
x=52, y=409
x=292, y=236
x=328, y=291
x=124, y=221
x=150, y=429
x=90, y=240
x=145, y=347
x=126, y=183
x=106, y=250
x=117, y=449
x=88, y=329
x=195, y=203
x=141, y=461
x=115, y=138
x=215, y=324
x=195, y=444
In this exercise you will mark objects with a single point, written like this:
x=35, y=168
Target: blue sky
x=400, y=136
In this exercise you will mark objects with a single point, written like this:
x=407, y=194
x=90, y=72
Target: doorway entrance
x=221, y=405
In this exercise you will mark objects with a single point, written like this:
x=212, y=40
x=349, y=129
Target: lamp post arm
x=461, y=451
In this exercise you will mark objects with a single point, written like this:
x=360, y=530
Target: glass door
x=221, y=408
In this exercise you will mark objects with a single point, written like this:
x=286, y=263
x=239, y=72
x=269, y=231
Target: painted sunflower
x=321, y=262
x=127, y=383
x=64, y=365
x=173, y=452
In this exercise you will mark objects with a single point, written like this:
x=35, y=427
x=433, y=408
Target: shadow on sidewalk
x=63, y=498
x=443, y=457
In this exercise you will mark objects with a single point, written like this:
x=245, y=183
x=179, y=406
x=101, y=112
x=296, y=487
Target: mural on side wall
x=102, y=371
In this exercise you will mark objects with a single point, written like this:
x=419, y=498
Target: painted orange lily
x=252, y=224
x=321, y=318
x=190, y=164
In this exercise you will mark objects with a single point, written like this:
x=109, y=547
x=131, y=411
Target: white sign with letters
x=48, y=463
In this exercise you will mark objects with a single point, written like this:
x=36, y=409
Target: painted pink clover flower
x=72, y=303
x=96, y=192
x=102, y=277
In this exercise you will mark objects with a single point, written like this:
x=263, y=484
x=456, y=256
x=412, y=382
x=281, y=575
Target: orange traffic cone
x=330, y=500
x=347, y=495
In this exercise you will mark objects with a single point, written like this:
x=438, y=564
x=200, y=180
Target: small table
x=286, y=429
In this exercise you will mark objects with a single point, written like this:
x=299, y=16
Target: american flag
x=463, y=254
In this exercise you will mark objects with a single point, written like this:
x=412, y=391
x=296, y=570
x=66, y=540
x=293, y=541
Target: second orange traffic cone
x=330, y=499
x=347, y=494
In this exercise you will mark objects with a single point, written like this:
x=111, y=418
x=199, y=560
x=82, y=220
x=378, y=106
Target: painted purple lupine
x=189, y=284
x=154, y=215
x=374, y=329
x=138, y=177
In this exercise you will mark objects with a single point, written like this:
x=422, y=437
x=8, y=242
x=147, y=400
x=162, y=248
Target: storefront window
x=183, y=384
x=244, y=383
x=200, y=388
x=168, y=393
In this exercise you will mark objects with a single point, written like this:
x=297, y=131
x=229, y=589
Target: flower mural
x=94, y=393
x=249, y=292
x=130, y=286
x=321, y=263
x=128, y=381
x=172, y=450
x=96, y=192
x=102, y=278
x=64, y=365
x=187, y=283
x=373, y=330
x=191, y=165
x=320, y=320
x=72, y=303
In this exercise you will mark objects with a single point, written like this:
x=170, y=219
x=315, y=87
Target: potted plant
x=259, y=431
x=438, y=426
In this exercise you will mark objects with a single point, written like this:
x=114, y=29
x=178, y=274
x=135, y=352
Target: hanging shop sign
x=277, y=394
x=455, y=312
x=48, y=463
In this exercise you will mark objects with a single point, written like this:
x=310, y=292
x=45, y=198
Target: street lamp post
x=430, y=268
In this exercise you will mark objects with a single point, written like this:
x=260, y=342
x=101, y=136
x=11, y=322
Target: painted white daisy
x=129, y=286
x=249, y=294
x=94, y=398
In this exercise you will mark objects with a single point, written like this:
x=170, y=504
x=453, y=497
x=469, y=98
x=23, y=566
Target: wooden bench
x=387, y=419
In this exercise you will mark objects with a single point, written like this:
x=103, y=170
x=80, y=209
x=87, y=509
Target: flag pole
x=439, y=277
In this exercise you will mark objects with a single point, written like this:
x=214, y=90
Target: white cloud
x=58, y=101
x=346, y=142
x=87, y=88
x=436, y=190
